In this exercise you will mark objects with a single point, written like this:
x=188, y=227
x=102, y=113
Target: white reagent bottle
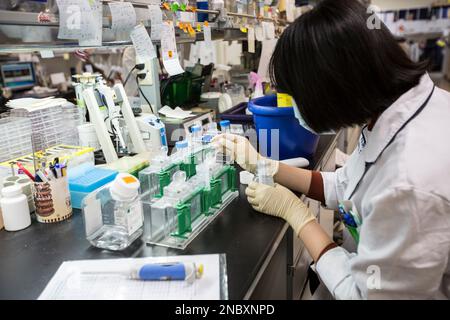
x=15, y=210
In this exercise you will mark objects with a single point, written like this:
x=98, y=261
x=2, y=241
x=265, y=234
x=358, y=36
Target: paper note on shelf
x=268, y=46
x=176, y=113
x=47, y=54
x=142, y=43
x=251, y=39
x=69, y=19
x=156, y=21
x=269, y=30
x=207, y=34
x=91, y=23
x=104, y=280
x=169, y=50
x=123, y=16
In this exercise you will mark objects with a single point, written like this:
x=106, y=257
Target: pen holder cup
x=52, y=200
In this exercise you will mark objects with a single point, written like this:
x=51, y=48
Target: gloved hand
x=241, y=151
x=280, y=202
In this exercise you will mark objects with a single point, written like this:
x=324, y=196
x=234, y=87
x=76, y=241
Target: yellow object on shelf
x=284, y=100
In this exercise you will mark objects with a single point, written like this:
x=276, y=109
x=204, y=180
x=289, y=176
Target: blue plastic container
x=85, y=179
x=202, y=17
x=295, y=141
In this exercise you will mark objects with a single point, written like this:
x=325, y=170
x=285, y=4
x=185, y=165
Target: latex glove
x=280, y=202
x=239, y=149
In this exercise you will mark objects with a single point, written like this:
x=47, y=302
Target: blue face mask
x=300, y=118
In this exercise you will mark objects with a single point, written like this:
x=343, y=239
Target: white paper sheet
x=91, y=23
x=269, y=30
x=169, y=50
x=142, y=43
x=69, y=19
x=188, y=17
x=251, y=39
x=268, y=46
x=123, y=16
x=259, y=32
x=47, y=54
x=95, y=280
x=207, y=34
x=156, y=21
x=176, y=113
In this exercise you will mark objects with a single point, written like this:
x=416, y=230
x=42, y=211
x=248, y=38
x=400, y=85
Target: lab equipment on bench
x=189, y=205
x=53, y=121
x=113, y=214
x=153, y=132
x=129, y=164
x=118, y=106
x=86, y=178
x=88, y=136
x=278, y=127
x=72, y=155
x=170, y=271
x=81, y=83
x=181, y=128
x=15, y=138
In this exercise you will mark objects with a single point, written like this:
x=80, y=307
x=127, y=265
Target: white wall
x=401, y=4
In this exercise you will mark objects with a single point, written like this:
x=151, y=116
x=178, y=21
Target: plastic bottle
x=120, y=219
x=202, y=4
x=212, y=129
x=262, y=169
x=16, y=213
x=181, y=151
x=225, y=126
x=195, y=137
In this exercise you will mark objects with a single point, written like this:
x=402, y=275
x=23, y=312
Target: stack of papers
x=176, y=113
x=102, y=280
x=31, y=104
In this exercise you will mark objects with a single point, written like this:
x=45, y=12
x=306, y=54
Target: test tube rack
x=52, y=125
x=178, y=225
x=15, y=139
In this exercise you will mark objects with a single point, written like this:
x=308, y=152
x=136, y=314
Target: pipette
x=160, y=272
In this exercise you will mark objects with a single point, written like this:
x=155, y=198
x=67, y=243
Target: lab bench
x=264, y=259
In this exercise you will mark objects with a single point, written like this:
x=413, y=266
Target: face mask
x=300, y=118
x=303, y=122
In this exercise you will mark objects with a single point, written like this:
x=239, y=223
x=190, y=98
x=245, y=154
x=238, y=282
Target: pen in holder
x=52, y=200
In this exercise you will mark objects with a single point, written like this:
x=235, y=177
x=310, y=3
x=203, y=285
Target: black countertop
x=29, y=258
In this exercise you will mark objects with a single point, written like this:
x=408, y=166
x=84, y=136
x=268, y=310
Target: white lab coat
x=404, y=201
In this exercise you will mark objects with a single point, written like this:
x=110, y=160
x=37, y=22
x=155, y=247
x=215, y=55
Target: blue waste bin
x=294, y=140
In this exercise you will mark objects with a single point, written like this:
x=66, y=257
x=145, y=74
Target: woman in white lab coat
x=395, y=187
